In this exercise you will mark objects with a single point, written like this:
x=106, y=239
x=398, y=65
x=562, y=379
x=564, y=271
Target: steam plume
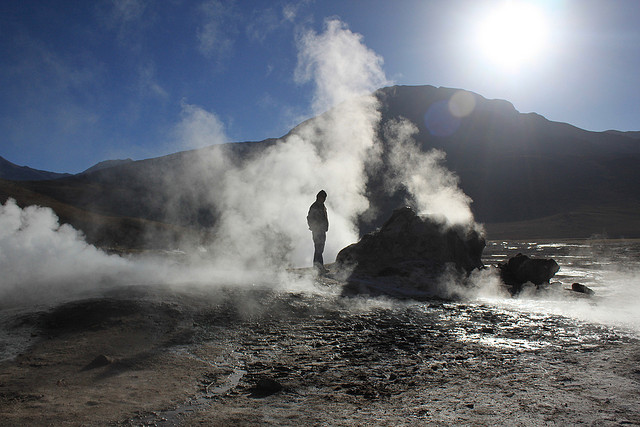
x=261, y=200
x=432, y=187
x=264, y=202
x=39, y=256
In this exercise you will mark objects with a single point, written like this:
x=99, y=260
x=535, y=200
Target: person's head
x=322, y=196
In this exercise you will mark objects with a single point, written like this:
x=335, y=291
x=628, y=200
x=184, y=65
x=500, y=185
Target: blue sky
x=86, y=81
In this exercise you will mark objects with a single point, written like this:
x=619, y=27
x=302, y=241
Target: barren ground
x=147, y=356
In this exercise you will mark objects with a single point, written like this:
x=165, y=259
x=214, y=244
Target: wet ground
x=255, y=356
x=442, y=363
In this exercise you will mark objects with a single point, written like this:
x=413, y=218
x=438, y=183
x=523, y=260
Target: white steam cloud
x=339, y=64
x=39, y=256
x=199, y=128
x=259, y=200
x=264, y=202
x=432, y=186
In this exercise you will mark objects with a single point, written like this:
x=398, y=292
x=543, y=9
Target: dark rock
x=521, y=269
x=412, y=248
x=578, y=287
x=409, y=237
x=265, y=387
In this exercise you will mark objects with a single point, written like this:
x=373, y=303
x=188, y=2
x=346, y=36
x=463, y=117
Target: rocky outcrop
x=521, y=269
x=410, y=250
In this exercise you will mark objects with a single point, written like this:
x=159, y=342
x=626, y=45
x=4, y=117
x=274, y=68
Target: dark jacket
x=317, y=217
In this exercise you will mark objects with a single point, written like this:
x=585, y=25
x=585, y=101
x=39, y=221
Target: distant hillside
x=519, y=167
x=107, y=164
x=630, y=134
x=528, y=177
x=115, y=232
x=14, y=172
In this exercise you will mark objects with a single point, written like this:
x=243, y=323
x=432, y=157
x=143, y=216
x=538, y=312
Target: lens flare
x=443, y=118
x=440, y=121
x=462, y=103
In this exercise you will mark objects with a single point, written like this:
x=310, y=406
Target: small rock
x=578, y=287
x=266, y=387
x=99, y=361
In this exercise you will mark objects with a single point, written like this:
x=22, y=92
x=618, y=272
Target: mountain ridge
x=105, y=164
x=9, y=170
x=500, y=104
x=518, y=168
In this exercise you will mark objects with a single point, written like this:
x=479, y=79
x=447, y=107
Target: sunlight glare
x=513, y=35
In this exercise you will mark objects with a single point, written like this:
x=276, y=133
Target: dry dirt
x=151, y=356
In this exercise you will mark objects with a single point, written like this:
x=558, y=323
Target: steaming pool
x=201, y=355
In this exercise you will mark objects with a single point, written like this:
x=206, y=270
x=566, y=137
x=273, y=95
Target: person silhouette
x=318, y=224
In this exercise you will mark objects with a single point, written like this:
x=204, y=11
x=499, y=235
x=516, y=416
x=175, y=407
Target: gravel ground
x=153, y=356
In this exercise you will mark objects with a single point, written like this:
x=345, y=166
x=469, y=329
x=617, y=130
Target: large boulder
x=411, y=250
x=521, y=269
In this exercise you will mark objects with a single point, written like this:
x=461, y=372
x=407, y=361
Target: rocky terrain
x=257, y=356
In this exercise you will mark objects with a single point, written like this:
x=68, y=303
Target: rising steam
x=259, y=202
x=264, y=202
x=432, y=187
x=39, y=256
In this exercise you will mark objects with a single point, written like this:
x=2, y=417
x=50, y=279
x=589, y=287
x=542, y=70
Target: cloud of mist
x=339, y=64
x=433, y=188
x=261, y=197
x=44, y=263
x=41, y=258
x=264, y=200
x=614, y=276
x=253, y=203
x=199, y=128
x=616, y=301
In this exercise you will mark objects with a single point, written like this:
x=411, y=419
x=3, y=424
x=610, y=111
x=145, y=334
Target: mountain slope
x=14, y=172
x=522, y=166
x=107, y=164
x=527, y=176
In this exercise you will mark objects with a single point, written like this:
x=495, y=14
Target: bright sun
x=513, y=35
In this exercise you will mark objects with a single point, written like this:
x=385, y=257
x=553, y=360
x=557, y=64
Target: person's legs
x=319, y=239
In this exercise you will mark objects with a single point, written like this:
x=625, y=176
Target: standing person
x=318, y=224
